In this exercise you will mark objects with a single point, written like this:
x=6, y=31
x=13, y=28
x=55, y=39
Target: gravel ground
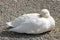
x=10, y=9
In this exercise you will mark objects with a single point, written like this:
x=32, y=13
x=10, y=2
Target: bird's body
x=33, y=24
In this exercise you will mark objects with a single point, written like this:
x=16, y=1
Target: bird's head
x=45, y=13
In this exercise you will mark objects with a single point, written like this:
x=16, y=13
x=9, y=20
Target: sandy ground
x=10, y=9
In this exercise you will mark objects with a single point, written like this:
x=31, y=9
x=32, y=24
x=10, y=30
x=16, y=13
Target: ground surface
x=10, y=9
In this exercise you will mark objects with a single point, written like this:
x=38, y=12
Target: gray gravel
x=10, y=9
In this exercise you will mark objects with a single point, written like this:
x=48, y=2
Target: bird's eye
x=44, y=13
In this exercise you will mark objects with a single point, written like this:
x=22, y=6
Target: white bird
x=34, y=24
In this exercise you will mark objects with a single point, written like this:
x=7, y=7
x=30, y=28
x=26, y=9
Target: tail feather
x=9, y=23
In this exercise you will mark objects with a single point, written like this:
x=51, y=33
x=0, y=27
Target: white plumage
x=33, y=23
x=22, y=18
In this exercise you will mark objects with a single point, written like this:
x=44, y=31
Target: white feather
x=21, y=19
x=33, y=24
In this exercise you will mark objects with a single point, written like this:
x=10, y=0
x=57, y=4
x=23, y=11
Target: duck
x=33, y=23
